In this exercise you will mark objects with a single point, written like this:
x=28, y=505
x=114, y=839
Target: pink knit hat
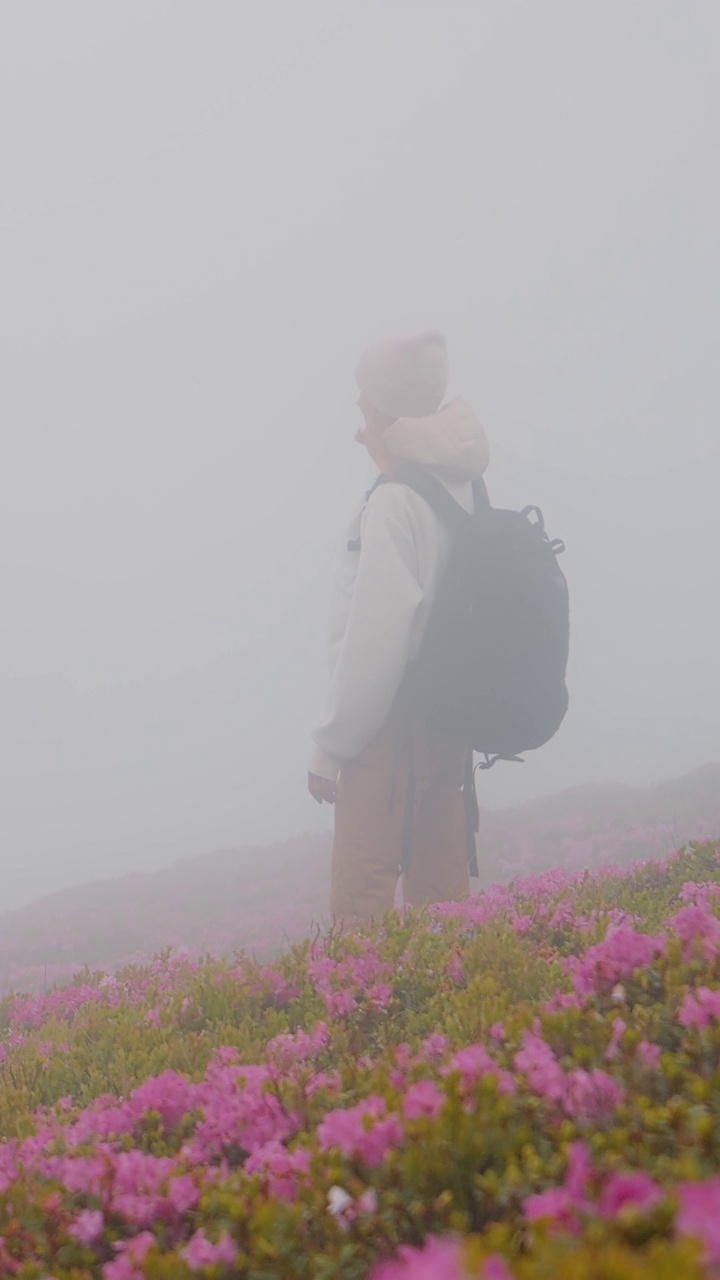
x=405, y=377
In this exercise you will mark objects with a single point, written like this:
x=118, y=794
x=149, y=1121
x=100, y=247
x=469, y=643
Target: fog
x=205, y=211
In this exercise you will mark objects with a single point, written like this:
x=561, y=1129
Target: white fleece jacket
x=382, y=593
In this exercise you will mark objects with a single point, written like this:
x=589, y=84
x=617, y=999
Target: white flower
x=338, y=1201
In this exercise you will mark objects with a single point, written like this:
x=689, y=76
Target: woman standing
x=396, y=784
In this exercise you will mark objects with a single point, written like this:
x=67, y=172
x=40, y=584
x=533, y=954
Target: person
x=396, y=784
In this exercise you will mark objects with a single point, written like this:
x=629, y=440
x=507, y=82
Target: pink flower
x=563, y=1000
x=702, y=893
x=329, y=1080
x=538, y=1063
x=561, y=1205
x=87, y=1226
x=182, y=1194
x=364, y=1130
x=367, y=1202
x=699, y=1008
x=474, y=1063
x=341, y=1003
x=131, y=1256
x=199, y=1252
x=695, y=923
x=455, y=969
x=423, y=1099
x=281, y=1168
x=578, y=1171
x=522, y=923
x=495, y=1268
x=137, y=1248
x=81, y=1175
x=121, y=1268
x=379, y=1139
x=591, y=1095
x=343, y=1127
x=554, y=1206
x=299, y=1046
x=699, y=1215
x=649, y=1054
x=618, y=1030
x=169, y=1094
x=437, y=1260
x=628, y=1190
x=435, y=1047
x=619, y=955
x=224, y=1056
x=379, y=995
x=238, y=1111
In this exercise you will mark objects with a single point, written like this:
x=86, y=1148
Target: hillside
x=593, y=825
x=260, y=898
x=520, y=1087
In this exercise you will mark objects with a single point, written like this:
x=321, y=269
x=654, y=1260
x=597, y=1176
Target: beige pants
x=404, y=792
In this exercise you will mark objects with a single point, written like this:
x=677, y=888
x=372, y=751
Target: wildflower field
x=524, y=1085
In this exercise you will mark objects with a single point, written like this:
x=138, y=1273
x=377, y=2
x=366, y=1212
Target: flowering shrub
x=519, y=1087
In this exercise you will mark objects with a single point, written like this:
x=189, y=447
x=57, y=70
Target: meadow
x=525, y=1085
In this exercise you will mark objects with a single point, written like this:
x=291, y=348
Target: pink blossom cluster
x=279, y=1168
x=588, y=923
x=544, y=902
x=564, y=1206
x=241, y=1113
x=438, y=1259
x=695, y=925
x=582, y=1195
x=365, y=1130
x=478, y=909
x=699, y=1008
x=355, y=980
x=238, y=1108
x=622, y=951
x=580, y=1094
x=474, y=1063
x=702, y=895
x=698, y=1216
x=285, y=1050
x=61, y=1004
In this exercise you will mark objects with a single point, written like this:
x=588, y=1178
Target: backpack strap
x=452, y=514
x=354, y=544
x=480, y=494
x=427, y=486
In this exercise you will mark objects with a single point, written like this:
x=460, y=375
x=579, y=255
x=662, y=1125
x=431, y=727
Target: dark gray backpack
x=491, y=667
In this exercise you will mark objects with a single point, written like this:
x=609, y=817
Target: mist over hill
x=133, y=774
x=259, y=898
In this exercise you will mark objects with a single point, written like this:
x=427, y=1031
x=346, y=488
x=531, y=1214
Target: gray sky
x=205, y=210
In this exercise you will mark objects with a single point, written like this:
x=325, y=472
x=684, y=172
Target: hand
x=322, y=788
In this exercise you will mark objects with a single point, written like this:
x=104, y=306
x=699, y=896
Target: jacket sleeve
x=376, y=644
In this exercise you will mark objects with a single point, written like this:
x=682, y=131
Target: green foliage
x=467, y=1169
